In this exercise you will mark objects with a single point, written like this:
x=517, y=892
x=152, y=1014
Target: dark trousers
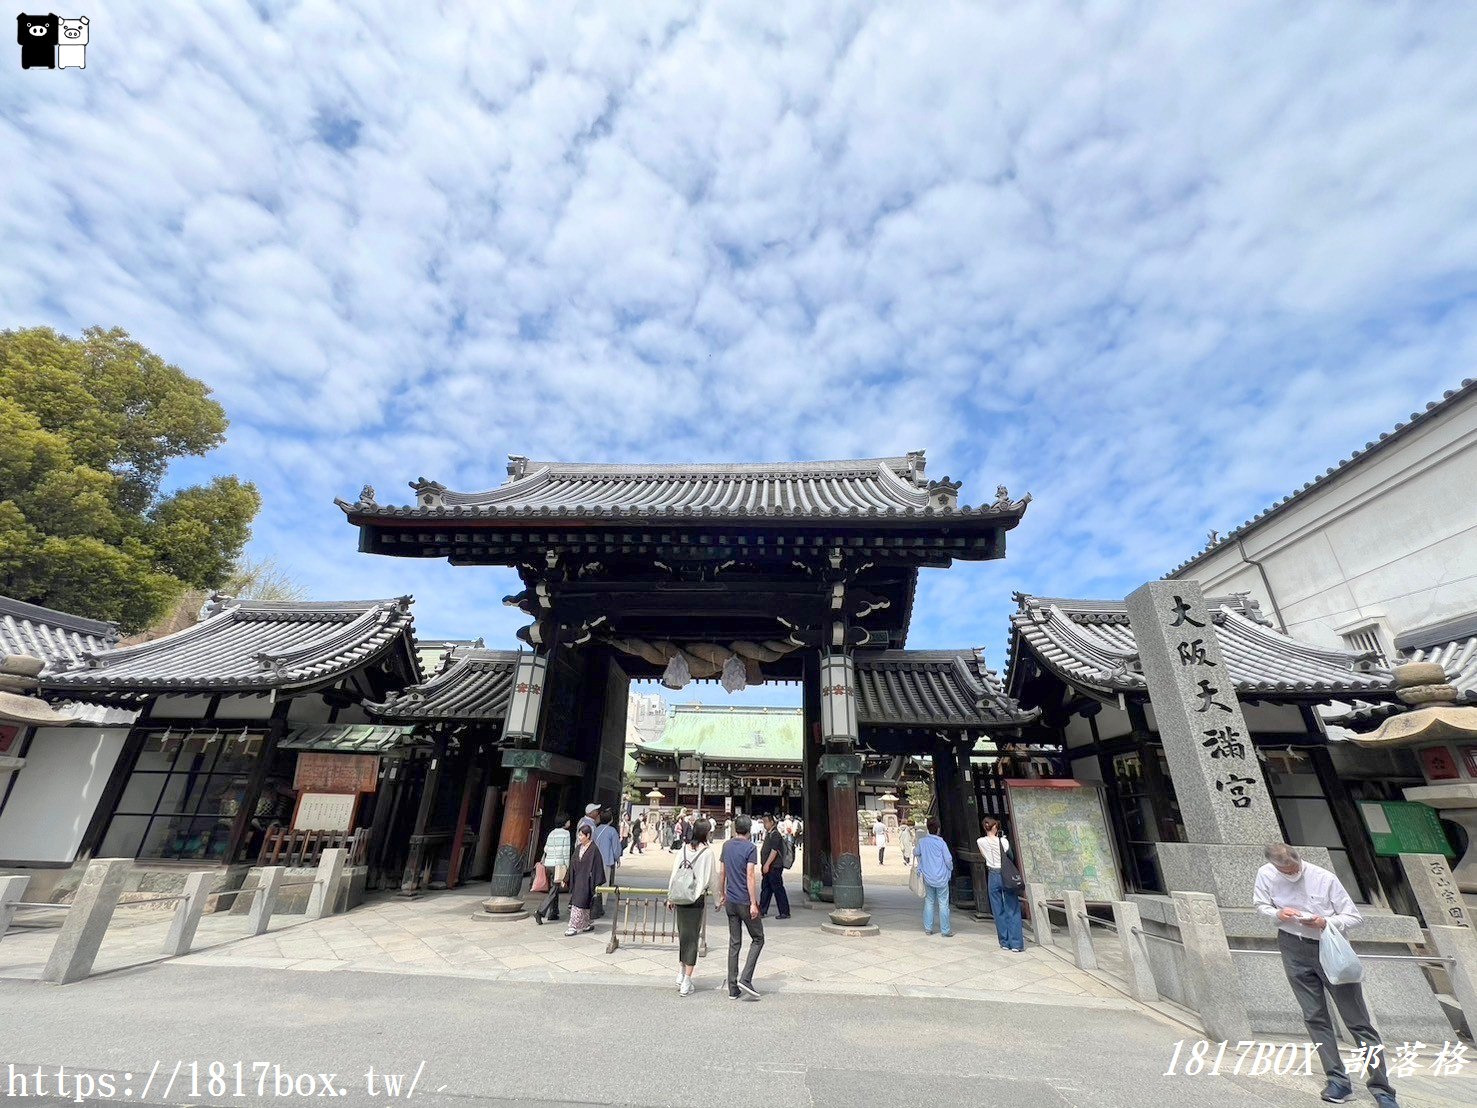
x=773, y=885
x=1305, y=975
x=738, y=919
x=549, y=909
x=598, y=907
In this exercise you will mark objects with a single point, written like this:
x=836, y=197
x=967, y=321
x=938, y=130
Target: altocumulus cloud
x=1158, y=264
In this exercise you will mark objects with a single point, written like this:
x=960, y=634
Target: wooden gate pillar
x=513, y=844
x=841, y=766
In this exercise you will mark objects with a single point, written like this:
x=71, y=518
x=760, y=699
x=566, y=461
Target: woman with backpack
x=1005, y=901
x=687, y=895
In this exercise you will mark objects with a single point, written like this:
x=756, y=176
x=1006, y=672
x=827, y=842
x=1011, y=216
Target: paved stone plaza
x=437, y=934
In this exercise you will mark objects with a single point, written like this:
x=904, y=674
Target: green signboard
x=1404, y=827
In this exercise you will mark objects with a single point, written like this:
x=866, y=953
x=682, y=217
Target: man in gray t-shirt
x=740, y=903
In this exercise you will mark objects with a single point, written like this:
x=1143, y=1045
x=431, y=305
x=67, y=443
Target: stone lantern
x=1444, y=735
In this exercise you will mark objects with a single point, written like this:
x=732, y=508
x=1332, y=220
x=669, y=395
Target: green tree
x=88, y=428
x=919, y=795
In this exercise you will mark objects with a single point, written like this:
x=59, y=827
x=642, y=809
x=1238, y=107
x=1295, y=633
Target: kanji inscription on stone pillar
x=1222, y=794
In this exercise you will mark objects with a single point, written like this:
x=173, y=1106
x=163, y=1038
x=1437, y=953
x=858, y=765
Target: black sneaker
x=1337, y=1093
x=748, y=990
x=734, y=994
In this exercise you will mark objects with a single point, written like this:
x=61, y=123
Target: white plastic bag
x=1340, y=964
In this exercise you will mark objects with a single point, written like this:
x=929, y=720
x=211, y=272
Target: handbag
x=1010, y=874
x=540, y=878
x=916, y=883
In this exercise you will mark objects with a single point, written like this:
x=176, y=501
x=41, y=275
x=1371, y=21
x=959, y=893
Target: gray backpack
x=684, y=887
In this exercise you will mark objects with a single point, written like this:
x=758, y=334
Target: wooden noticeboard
x=336, y=773
x=1060, y=836
x=325, y=812
x=1404, y=827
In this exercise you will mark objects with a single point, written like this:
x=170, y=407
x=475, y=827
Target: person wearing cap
x=589, y=820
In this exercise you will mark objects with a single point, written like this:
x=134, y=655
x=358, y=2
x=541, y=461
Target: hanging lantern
x=676, y=675
x=838, y=697
x=734, y=677
x=521, y=725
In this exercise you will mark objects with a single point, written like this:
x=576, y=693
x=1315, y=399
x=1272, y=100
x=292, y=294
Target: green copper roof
x=735, y=734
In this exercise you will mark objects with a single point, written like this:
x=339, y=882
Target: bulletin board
x=1404, y=827
x=1061, y=838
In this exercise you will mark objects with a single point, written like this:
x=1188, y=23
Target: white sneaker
x=686, y=989
x=681, y=977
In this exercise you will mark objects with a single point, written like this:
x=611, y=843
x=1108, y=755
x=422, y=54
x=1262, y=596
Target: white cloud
x=1157, y=265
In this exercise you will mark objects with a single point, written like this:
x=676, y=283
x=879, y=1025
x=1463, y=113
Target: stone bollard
x=324, y=896
x=1212, y=975
x=1040, y=917
x=187, y=915
x=1136, y=967
x=12, y=889
x=265, y=900
x=87, y=920
x=1460, y=945
x=1079, y=931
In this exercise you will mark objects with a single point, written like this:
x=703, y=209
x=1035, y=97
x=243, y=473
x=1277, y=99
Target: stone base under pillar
x=502, y=909
x=851, y=921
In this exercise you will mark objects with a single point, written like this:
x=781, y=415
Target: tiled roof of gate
x=57, y=638
x=247, y=645
x=937, y=688
x=866, y=488
x=737, y=734
x=1090, y=643
x=475, y=687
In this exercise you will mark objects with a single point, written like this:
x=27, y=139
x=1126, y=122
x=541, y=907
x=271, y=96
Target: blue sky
x=1156, y=264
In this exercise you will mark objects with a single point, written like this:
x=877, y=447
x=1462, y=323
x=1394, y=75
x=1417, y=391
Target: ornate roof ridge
x=35, y=613
x=353, y=631
x=738, y=709
x=899, y=465
x=1374, y=446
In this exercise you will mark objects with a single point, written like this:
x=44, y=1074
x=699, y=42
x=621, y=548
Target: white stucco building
x=1379, y=554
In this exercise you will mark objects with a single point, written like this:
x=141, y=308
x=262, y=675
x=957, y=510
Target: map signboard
x=1061, y=838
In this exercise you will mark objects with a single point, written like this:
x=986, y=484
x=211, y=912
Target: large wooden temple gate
x=743, y=573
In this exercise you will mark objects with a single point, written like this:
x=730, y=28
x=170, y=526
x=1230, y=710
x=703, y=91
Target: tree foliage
x=251, y=579
x=919, y=795
x=88, y=428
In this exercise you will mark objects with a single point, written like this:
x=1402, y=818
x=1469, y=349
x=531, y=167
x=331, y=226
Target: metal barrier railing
x=654, y=924
x=1139, y=931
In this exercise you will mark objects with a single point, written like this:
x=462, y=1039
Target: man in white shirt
x=1303, y=899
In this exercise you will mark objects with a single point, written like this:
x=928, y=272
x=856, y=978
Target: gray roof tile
x=474, y=687
x=866, y=488
x=1090, y=643
x=57, y=638
x=1458, y=657
x=247, y=645
x=932, y=688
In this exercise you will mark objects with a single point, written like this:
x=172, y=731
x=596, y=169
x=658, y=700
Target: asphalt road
x=499, y=1043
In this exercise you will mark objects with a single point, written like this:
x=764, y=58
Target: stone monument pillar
x=1228, y=818
x=1223, y=797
